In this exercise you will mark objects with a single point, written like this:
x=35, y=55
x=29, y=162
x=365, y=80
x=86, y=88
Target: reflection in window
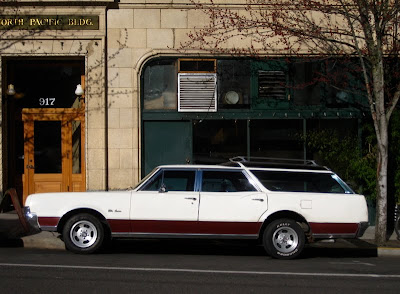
x=276, y=138
x=301, y=182
x=215, y=141
x=225, y=181
x=172, y=180
x=76, y=147
x=307, y=89
x=234, y=83
x=160, y=85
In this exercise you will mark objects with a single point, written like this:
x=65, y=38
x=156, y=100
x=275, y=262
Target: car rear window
x=301, y=182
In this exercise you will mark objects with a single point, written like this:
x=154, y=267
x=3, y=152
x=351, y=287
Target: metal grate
x=271, y=85
x=197, y=92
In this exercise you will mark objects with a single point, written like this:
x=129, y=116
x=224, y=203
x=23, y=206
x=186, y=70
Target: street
x=196, y=267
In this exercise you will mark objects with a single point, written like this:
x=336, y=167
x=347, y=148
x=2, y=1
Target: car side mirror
x=163, y=188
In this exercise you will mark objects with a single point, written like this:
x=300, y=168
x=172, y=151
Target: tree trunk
x=381, y=127
x=381, y=199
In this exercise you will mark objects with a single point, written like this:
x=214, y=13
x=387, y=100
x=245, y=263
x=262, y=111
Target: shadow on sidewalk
x=341, y=248
x=351, y=248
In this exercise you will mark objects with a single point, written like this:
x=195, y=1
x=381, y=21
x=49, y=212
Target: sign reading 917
x=47, y=101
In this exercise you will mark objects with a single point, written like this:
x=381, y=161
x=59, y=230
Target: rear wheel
x=83, y=233
x=284, y=239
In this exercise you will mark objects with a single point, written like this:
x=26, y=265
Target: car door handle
x=190, y=198
x=258, y=199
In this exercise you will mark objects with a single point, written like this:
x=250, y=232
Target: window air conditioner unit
x=197, y=92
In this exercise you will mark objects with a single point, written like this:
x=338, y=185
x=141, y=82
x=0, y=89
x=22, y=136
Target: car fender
x=112, y=205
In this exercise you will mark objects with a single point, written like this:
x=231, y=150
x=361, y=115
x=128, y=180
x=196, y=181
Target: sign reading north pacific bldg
x=49, y=22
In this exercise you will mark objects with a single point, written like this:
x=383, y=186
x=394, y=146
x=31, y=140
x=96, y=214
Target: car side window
x=299, y=182
x=225, y=181
x=172, y=180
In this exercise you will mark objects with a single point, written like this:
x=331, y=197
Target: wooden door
x=53, y=151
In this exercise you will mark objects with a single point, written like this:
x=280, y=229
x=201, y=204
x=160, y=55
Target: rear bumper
x=363, y=226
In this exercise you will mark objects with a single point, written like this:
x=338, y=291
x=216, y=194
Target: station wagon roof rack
x=253, y=161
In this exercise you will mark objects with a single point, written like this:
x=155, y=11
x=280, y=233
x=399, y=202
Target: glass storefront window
x=160, y=85
x=233, y=83
x=216, y=141
x=276, y=138
x=307, y=90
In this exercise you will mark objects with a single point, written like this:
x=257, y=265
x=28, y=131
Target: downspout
x=106, y=170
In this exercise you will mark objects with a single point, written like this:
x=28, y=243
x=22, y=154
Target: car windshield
x=302, y=182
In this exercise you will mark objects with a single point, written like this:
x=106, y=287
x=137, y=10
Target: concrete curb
x=387, y=251
x=44, y=240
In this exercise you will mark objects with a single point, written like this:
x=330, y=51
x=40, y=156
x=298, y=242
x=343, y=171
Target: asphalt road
x=195, y=267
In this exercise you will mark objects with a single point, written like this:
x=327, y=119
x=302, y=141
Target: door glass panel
x=179, y=180
x=174, y=180
x=76, y=147
x=47, y=150
x=226, y=181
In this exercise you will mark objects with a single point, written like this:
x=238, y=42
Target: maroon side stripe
x=48, y=221
x=185, y=227
x=119, y=226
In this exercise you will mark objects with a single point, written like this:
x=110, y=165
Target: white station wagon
x=283, y=204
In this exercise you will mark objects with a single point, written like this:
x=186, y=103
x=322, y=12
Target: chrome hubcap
x=285, y=239
x=83, y=234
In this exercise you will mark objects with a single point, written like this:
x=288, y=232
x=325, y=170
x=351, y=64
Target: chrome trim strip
x=183, y=235
x=49, y=228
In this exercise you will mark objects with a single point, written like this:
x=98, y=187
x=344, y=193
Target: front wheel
x=284, y=239
x=83, y=233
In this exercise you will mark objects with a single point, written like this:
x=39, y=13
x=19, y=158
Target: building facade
x=97, y=93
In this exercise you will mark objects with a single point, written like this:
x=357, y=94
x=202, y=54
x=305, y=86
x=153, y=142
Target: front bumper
x=31, y=218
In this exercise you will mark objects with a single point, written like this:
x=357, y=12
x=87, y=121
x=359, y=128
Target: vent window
x=197, y=92
x=272, y=85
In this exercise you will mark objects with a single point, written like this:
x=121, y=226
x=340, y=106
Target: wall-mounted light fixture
x=79, y=90
x=10, y=90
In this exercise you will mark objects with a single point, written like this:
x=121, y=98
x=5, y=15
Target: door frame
x=73, y=182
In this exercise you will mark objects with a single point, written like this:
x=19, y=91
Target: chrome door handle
x=258, y=199
x=190, y=198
